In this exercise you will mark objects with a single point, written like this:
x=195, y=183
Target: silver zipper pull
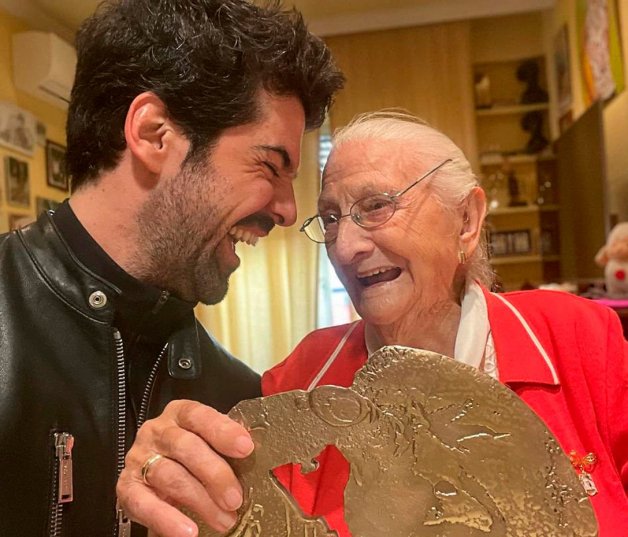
x=124, y=524
x=64, y=442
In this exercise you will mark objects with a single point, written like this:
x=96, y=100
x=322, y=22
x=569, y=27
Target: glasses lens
x=314, y=230
x=373, y=210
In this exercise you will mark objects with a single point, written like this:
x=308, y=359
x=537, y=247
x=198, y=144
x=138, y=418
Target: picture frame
x=17, y=128
x=17, y=182
x=521, y=242
x=17, y=221
x=56, y=175
x=562, y=71
x=512, y=242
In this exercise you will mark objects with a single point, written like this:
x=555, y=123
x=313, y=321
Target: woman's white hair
x=451, y=185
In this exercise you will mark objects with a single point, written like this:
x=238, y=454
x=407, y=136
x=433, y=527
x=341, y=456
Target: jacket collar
x=97, y=298
x=521, y=356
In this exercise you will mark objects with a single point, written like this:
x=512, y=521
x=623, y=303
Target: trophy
x=435, y=448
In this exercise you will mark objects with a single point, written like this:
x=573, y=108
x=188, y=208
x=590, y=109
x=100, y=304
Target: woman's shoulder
x=559, y=308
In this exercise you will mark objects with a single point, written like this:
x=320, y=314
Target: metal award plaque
x=435, y=448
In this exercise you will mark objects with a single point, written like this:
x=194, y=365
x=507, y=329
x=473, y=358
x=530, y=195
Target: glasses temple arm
x=425, y=175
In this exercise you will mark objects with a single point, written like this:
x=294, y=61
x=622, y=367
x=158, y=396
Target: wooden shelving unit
x=522, y=219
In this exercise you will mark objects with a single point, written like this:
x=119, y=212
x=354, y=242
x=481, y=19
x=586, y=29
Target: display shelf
x=521, y=210
x=515, y=259
x=511, y=173
x=498, y=110
x=499, y=159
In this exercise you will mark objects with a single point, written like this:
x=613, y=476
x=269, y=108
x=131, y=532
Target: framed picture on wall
x=17, y=128
x=56, y=175
x=17, y=184
x=17, y=221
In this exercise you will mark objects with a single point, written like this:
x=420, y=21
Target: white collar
x=474, y=328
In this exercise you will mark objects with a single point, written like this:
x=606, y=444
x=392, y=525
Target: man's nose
x=283, y=206
x=352, y=242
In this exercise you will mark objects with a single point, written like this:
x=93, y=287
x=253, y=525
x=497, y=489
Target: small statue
x=513, y=191
x=482, y=85
x=528, y=73
x=532, y=122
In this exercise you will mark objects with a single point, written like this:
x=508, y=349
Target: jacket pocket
x=62, y=491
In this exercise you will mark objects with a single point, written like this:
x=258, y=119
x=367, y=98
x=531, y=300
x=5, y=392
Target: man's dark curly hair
x=205, y=59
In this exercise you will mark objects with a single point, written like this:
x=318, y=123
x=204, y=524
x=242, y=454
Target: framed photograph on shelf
x=521, y=242
x=498, y=241
x=515, y=242
x=56, y=175
x=17, y=183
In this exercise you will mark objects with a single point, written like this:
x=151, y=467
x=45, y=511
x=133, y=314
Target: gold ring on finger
x=146, y=466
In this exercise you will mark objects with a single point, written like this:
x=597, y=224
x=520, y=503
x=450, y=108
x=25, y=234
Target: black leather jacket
x=62, y=371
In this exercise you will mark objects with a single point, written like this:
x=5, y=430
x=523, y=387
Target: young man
x=183, y=133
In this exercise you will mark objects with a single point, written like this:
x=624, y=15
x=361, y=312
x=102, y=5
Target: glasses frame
x=355, y=217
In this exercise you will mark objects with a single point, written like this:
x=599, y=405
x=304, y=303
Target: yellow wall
x=54, y=119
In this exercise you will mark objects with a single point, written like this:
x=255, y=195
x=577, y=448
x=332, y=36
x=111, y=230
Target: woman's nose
x=352, y=243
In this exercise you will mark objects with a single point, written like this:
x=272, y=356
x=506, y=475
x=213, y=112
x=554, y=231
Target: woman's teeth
x=375, y=271
x=379, y=275
x=243, y=235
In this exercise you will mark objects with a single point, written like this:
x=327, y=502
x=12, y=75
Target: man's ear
x=150, y=133
x=474, y=212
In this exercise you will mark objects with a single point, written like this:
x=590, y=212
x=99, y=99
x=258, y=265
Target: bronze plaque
x=435, y=448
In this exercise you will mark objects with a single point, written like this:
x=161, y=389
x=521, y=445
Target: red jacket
x=575, y=379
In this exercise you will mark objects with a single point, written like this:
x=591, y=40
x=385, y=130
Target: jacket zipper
x=62, y=482
x=123, y=524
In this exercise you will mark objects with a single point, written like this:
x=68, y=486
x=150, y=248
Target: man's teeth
x=375, y=271
x=243, y=235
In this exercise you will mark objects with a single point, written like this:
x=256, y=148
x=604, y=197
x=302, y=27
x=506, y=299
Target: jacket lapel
x=521, y=356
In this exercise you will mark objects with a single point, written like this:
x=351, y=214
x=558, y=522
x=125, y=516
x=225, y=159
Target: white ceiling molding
x=430, y=12
x=36, y=18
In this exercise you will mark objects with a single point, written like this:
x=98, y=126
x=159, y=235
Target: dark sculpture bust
x=528, y=73
x=532, y=122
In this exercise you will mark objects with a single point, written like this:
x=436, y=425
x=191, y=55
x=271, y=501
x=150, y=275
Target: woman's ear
x=150, y=133
x=474, y=212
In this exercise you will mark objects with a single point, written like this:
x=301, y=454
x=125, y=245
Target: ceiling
x=325, y=17
x=72, y=12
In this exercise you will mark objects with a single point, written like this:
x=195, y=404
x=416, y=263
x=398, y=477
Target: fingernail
x=225, y=520
x=243, y=445
x=232, y=499
x=188, y=530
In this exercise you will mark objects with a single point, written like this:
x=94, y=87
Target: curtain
x=271, y=303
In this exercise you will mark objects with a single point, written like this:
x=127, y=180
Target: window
x=333, y=304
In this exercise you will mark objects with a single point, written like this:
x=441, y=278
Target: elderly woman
x=401, y=216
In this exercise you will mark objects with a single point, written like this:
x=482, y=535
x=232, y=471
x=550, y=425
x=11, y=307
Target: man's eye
x=272, y=168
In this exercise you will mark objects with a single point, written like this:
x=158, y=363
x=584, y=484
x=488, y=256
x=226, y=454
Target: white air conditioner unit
x=44, y=66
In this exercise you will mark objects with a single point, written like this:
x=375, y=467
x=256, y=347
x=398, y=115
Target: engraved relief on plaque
x=435, y=448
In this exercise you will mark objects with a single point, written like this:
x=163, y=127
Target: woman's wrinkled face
x=407, y=265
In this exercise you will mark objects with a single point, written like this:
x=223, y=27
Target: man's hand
x=192, y=439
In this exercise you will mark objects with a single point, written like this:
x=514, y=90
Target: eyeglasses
x=368, y=213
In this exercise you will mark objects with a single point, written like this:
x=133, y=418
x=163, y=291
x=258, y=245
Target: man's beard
x=176, y=226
